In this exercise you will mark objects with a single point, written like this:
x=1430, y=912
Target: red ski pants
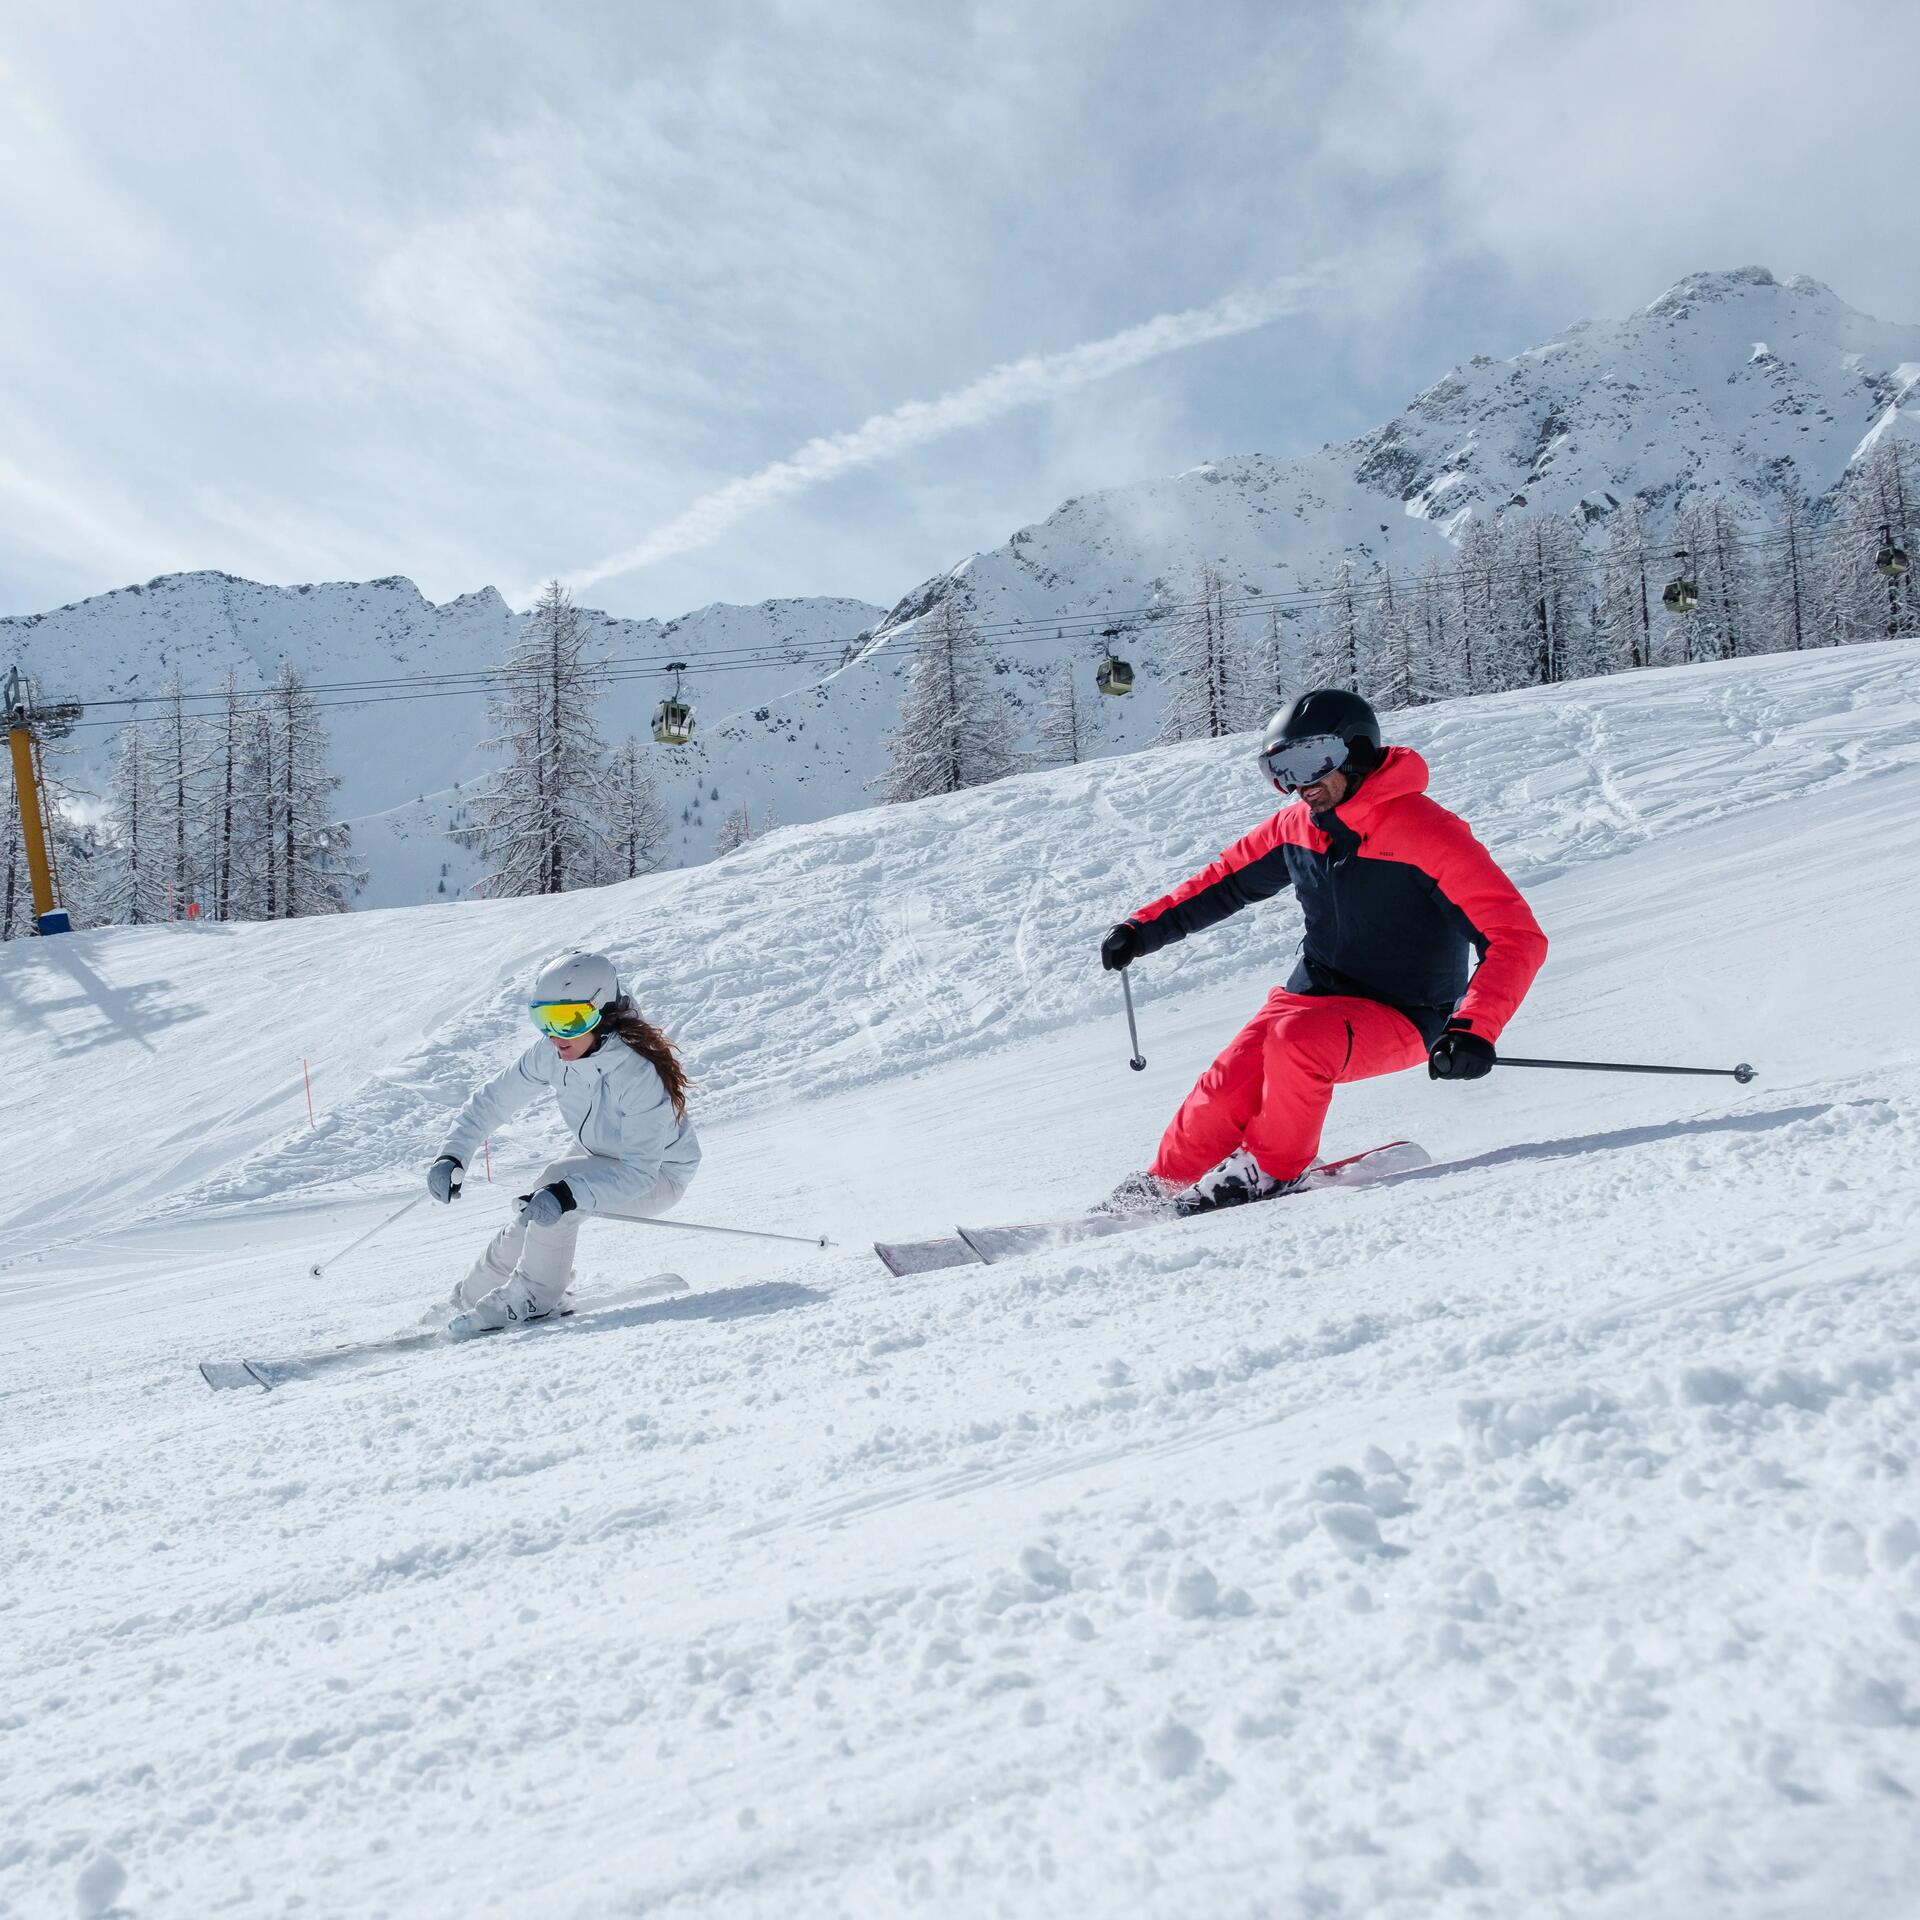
x=1270, y=1090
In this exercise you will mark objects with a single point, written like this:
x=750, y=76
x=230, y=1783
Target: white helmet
x=576, y=978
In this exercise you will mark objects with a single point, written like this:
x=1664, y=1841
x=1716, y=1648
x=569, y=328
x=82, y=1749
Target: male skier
x=1394, y=890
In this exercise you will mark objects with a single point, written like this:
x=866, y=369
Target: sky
x=748, y=301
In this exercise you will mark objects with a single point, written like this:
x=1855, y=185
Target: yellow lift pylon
x=29, y=785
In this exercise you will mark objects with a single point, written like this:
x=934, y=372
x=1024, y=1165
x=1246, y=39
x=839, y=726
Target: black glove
x=1460, y=1054
x=1121, y=947
x=443, y=1178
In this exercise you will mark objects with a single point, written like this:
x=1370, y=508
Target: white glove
x=443, y=1179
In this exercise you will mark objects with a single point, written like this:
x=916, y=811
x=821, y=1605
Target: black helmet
x=1326, y=731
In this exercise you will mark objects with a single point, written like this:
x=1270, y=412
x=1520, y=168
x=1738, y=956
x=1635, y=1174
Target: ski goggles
x=1292, y=764
x=564, y=1019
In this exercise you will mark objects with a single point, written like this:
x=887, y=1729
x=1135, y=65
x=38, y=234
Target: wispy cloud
x=1025, y=382
x=59, y=523
x=470, y=292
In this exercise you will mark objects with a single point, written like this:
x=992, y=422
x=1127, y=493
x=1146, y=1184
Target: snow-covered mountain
x=1536, y=1534
x=403, y=762
x=1732, y=381
x=1728, y=381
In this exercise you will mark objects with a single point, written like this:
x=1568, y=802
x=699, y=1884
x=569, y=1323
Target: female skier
x=622, y=1091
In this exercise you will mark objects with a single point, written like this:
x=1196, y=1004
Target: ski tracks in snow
x=1533, y=1535
x=1226, y=1556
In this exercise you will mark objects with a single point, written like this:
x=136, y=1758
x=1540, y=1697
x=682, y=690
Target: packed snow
x=1537, y=1533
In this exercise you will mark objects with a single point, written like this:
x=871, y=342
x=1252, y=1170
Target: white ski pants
x=540, y=1259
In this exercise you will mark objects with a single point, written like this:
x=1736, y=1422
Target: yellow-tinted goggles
x=564, y=1019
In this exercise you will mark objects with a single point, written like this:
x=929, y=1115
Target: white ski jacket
x=615, y=1105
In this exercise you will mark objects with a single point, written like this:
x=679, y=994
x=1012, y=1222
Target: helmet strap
x=1362, y=757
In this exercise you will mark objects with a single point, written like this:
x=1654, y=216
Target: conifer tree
x=735, y=831
x=257, y=841
x=1550, y=595
x=132, y=888
x=1792, y=611
x=1271, y=691
x=1439, y=640
x=225, y=826
x=538, y=819
x=637, y=824
x=1067, y=733
x=1391, y=665
x=1209, y=692
x=1481, y=606
x=1334, y=654
x=1626, y=616
x=1876, y=505
x=178, y=760
x=953, y=730
x=1720, y=627
x=313, y=851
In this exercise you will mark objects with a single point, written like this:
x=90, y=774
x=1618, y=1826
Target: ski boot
x=1238, y=1179
x=1138, y=1193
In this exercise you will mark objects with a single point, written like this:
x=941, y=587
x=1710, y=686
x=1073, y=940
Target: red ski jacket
x=1395, y=890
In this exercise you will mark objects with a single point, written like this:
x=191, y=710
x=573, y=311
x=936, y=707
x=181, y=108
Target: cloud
x=1025, y=382
x=470, y=292
x=56, y=524
x=1600, y=153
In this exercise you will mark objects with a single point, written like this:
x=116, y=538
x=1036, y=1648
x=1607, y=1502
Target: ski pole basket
x=673, y=717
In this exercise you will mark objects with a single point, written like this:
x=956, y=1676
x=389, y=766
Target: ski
x=925, y=1256
x=991, y=1245
x=224, y=1376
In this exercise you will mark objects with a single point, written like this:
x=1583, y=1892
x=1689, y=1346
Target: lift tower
x=25, y=723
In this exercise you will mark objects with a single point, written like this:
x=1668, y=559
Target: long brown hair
x=622, y=1020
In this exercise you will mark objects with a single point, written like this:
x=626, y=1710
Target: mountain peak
x=1704, y=288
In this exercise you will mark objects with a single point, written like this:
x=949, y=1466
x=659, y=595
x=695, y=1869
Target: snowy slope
x=1536, y=1535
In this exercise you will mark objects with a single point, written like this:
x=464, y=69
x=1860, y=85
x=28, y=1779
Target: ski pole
x=700, y=1226
x=1743, y=1073
x=1137, y=1060
x=320, y=1266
